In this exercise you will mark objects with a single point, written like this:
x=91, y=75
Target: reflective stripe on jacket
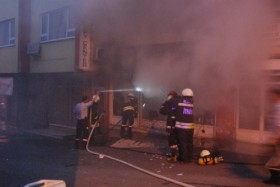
x=128, y=108
x=181, y=125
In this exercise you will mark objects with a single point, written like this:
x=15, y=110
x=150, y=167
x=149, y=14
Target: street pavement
x=155, y=141
x=28, y=156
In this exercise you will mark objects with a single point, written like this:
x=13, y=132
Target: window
x=58, y=24
x=7, y=32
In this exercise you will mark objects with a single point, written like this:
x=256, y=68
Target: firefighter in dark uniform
x=94, y=108
x=166, y=109
x=128, y=115
x=184, y=124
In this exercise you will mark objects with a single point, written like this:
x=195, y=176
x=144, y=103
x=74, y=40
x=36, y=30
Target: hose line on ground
x=131, y=165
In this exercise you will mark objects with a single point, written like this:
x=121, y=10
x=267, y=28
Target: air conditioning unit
x=34, y=49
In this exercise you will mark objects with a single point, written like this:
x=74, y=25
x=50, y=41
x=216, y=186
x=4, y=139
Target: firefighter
x=94, y=108
x=93, y=115
x=183, y=114
x=128, y=115
x=166, y=109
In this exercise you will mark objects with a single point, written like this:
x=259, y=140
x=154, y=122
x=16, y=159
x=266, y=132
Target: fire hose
x=131, y=165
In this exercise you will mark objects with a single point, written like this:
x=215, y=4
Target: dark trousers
x=93, y=113
x=81, y=131
x=185, y=141
x=172, y=141
x=127, y=122
x=172, y=136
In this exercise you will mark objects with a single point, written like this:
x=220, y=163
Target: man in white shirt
x=81, y=113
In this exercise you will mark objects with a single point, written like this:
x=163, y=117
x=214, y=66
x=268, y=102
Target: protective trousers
x=185, y=141
x=127, y=122
x=172, y=140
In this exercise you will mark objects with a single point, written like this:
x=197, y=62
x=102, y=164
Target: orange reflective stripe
x=128, y=108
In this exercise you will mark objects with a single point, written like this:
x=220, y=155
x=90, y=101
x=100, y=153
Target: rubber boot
x=173, y=154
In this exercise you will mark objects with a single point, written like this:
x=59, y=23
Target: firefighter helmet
x=204, y=153
x=130, y=95
x=187, y=92
x=172, y=93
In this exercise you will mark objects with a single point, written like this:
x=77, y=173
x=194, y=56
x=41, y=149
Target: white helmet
x=204, y=153
x=187, y=92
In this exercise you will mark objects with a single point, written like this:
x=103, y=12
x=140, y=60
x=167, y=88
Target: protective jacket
x=129, y=112
x=129, y=108
x=167, y=110
x=183, y=112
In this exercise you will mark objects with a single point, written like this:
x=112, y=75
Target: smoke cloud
x=220, y=44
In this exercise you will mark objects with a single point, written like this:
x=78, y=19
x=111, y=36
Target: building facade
x=49, y=61
x=51, y=55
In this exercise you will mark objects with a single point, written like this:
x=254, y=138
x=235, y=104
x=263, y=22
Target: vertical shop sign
x=85, y=52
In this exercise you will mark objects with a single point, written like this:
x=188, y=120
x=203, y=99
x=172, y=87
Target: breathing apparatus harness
x=207, y=158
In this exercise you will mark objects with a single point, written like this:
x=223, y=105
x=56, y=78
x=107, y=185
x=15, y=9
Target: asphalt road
x=25, y=158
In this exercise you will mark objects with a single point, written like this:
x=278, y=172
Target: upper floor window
x=58, y=24
x=7, y=32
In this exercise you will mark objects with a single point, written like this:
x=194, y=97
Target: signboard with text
x=85, y=51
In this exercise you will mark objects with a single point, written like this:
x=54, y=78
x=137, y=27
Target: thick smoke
x=224, y=43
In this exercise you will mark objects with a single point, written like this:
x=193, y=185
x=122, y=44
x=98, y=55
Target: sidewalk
x=154, y=142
